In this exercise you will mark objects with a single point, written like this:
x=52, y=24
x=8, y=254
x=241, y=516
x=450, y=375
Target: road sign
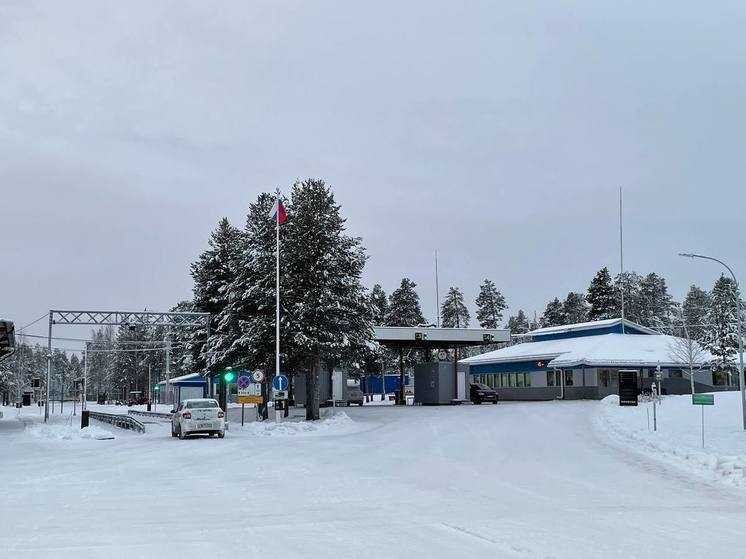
x=280, y=395
x=258, y=376
x=703, y=399
x=249, y=391
x=280, y=382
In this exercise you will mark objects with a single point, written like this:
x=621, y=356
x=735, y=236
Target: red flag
x=278, y=207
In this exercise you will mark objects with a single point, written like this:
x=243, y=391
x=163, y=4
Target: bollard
x=84, y=419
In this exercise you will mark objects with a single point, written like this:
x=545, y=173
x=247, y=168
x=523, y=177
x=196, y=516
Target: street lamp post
x=740, y=328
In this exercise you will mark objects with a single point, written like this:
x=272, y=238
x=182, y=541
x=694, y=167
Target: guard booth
x=428, y=339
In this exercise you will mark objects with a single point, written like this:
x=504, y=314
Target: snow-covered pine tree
x=213, y=273
x=601, y=296
x=251, y=307
x=518, y=324
x=575, y=308
x=453, y=311
x=379, y=305
x=490, y=305
x=325, y=301
x=723, y=330
x=186, y=342
x=656, y=308
x=404, y=310
x=629, y=284
x=554, y=314
x=696, y=309
x=404, y=306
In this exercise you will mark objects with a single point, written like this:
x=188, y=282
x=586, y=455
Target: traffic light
x=229, y=376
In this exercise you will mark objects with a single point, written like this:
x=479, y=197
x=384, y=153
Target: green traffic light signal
x=229, y=376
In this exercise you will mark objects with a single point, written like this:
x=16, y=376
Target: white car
x=198, y=416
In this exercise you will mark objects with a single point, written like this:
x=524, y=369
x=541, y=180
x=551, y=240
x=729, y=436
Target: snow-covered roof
x=606, y=349
x=592, y=325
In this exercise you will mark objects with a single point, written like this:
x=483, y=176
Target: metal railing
x=151, y=414
x=121, y=421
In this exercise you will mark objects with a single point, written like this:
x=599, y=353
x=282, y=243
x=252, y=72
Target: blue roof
x=593, y=328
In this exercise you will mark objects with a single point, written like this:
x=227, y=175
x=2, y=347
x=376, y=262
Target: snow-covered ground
x=678, y=439
x=513, y=480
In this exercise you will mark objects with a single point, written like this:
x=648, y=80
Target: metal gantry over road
x=117, y=318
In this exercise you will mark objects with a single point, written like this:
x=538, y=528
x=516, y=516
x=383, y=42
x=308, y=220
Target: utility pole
x=49, y=370
x=168, y=363
x=437, y=292
x=85, y=379
x=621, y=253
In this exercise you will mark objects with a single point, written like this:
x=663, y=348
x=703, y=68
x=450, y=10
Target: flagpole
x=277, y=292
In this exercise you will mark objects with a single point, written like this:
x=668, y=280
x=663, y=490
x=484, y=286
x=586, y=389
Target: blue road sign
x=280, y=382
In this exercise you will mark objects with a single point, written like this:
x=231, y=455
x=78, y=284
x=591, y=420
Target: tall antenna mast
x=437, y=291
x=621, y=254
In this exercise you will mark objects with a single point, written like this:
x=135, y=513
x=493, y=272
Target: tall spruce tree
x=723, y=330
x=656, y=307
x=490, y=305
x=628, y=283
x=404, y=306
x=575, y=308
x=518, y=324
x=378, y=304
x=327, y=308
x=601, y=296
x=251, y=308
x=453, y=311
x=404, y=310
x=554, y=314
x=213, y=273
x=696, y=309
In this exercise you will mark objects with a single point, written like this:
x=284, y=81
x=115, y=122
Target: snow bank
x=339, y=424
x=64, y=432
x=678, y=438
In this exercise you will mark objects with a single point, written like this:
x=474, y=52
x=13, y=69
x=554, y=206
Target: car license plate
x=204, y=425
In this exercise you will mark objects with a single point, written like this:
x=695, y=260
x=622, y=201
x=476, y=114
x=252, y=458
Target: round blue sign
x=280, y=382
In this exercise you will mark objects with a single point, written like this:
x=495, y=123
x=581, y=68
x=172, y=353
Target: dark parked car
x=354, y=395
x=479, y=393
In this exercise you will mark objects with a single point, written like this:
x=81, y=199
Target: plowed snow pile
x=338, y=424
x=678, y=440
x=65, y=432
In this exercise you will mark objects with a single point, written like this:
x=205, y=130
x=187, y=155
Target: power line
x=34, y=322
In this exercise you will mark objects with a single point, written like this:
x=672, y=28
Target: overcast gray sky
x=497, y=132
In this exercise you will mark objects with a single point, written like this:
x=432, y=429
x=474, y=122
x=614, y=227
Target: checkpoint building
x=581, y=361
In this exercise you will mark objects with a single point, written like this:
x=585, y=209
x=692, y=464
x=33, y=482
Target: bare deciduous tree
x=688, y=352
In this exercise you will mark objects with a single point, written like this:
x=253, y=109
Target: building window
x=720, y=378
x=676, y=373
x=527, y=380
x=519, y=380
x=550, y=378
x=511, y=380
x=568, y=378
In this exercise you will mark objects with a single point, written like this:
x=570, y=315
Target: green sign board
x=703, y=399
